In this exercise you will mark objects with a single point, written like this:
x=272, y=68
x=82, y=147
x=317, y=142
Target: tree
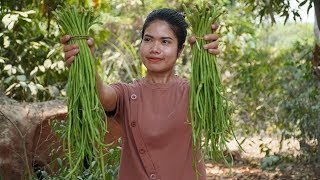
x=310, y=125
x=283, y=8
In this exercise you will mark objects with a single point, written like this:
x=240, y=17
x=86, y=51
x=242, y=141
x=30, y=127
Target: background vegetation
x=266, y=67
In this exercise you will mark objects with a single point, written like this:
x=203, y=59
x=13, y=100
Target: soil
x=248, y=162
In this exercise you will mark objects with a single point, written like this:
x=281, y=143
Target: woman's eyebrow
x=166, y=38
x=147, y=35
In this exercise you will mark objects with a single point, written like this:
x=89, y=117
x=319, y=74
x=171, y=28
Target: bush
x=31, y=61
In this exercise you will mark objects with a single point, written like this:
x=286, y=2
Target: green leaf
x=59, y=162
x=30, y=12
x=90, y=177
x=20, y=69
x=11, y=86
x=309, y=7
x=7, y=67
x=269, y=161
x=40, y=87
x=44, y=174
x=21, y=78
x=93, y=163
x=53, y=91
x=23, y=84
x=42, y=68
x=51, y=52
x=33, y=88
x=303, y=3
x=27, y=19
x=23, y=14
x=9, y=19
x=8, y=79
x=47, y=63
x=34, y=71
x=60, y=65
x=6, y=41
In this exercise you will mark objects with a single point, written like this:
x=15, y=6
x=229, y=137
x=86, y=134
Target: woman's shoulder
x=182, y=80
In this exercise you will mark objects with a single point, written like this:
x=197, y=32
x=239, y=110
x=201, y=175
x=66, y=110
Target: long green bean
x=209, y=107
x=86, y=118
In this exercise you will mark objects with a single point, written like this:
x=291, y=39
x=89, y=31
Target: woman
x=153, y=111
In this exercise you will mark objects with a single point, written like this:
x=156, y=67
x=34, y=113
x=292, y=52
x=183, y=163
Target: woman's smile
x=154, y=59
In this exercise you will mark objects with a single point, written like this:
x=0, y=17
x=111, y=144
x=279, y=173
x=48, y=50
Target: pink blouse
x=156, y=141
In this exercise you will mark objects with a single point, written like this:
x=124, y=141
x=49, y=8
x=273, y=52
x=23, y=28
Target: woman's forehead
x=159, y=28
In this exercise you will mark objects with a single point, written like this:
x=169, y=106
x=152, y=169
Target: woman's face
x=159, y=47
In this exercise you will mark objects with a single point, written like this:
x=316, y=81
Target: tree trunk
x=316, y=51
x=316, y=65
x=317, y=21
x=27, y=141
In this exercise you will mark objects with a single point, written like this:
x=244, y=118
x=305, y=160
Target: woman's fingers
x=71, y=50
x=212, y=47
x=211, y=37
x=65, y=39
x=214, y=51
x=192, y=39
x=71, y=53
x=90, y=43
x=70, y=47
x=214, y=27
x=69, y=61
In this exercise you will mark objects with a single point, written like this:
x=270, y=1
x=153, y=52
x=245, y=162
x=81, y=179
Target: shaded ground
x=252, y=170
x=247, y=165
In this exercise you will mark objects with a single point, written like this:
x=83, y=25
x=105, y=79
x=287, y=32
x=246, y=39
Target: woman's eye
x=165, y=41
x=146, y=39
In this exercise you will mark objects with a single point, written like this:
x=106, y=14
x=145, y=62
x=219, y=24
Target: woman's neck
x=161, y=78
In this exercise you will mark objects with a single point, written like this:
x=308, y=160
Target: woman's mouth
x=154, y=59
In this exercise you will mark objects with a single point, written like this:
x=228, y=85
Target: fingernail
x=205, y=47
x=205, y=37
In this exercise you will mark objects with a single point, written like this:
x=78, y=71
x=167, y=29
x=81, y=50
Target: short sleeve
x=117, y=113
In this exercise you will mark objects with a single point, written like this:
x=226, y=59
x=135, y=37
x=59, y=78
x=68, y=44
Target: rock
x=27, y=139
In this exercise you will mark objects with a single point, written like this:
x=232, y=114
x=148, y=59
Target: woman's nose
x=155, y=48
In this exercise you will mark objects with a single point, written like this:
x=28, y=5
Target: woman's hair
x=175, y=20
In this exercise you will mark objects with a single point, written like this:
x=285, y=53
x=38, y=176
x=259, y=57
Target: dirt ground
x=247, y=163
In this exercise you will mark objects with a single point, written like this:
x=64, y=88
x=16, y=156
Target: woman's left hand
x=213, y=39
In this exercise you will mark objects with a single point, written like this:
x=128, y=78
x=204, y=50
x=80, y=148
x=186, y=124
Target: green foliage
x=300, y=108
x=270, y=78
x=31, y=63
x=112, y=158
x=270, y=162
x=266, y=9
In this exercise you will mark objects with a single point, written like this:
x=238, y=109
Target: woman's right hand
x=70, y=50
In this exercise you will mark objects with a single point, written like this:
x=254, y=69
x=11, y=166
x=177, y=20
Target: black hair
x=175, y=20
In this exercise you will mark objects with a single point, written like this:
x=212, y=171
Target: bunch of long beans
x=209, y=106
x=86, y=118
